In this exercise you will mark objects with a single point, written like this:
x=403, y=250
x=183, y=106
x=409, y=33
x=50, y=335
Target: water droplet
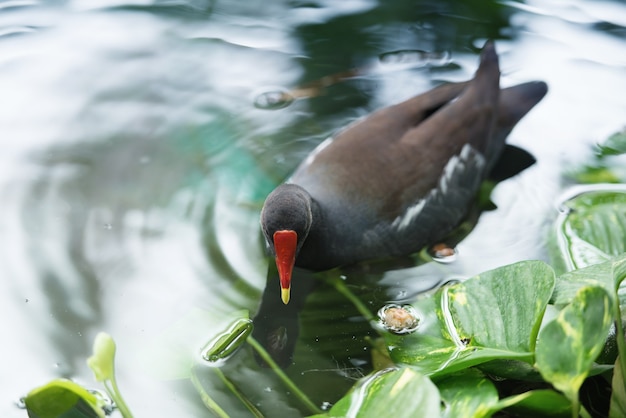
x=441, y=253
x=108, y=226
x=56, y=365
x=273, y=100
x=21, y=403
x=26, y=300
x=268, y=389
x=343, y=277
x=326, y=406
x=398, y=319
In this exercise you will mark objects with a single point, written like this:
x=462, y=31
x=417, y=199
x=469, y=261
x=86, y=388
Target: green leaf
x=390, y=393
x=537, y=403
x=593, y=229
x=568, y=345
x=614, y=145
x=467, y=394
x=62, y=399
x=503, y=308
x=495, y=315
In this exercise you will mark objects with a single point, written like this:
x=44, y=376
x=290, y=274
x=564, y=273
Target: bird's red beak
x=285, y=244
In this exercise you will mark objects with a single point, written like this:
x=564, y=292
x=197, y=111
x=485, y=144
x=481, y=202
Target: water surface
x=134, y=164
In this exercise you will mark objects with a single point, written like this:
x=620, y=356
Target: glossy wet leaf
x=538, y=403
x=495, y=315
x=568, y=345
x=503, y=308
x=594, y=228
x=608, y=275
x=467, y=394
x=397, y=393
x=62, y=399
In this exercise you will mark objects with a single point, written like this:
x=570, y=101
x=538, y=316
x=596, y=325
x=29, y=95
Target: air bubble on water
x=273, y=100
x=326, y=406
x=21, y=403
x=443, y=254
x=268, y=389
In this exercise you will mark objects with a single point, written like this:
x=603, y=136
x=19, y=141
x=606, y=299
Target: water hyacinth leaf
x=495, y=315
x=568, y=345
x=593, y=230
x=537, y=403
x=503, y=308
x=618, y=270
x=467, y=394
x=568, y=284
x=390, y=393
x=609, y=275
x=62, y=399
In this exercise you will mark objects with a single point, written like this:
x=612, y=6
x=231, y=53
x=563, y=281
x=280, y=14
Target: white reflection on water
x=130, y=141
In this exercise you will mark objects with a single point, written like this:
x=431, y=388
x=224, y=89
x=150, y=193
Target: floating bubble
x=273, y=100
x=442, y=253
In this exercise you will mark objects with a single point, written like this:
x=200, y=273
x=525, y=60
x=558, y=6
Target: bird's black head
x=287, y=208
x=286, y=220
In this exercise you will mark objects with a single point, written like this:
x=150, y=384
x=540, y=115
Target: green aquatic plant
x=102, y=363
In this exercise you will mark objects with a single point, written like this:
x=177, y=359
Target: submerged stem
x=285, y=379
x=116, y=395
x=343, y=289
x=206, y=399
x=235, y=390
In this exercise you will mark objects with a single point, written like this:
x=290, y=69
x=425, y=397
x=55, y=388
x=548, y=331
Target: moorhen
x=397, y=180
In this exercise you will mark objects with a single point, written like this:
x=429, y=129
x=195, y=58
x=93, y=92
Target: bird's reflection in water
x=276, y=325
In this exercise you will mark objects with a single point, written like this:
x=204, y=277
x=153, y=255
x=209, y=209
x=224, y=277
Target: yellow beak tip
x=284, y=295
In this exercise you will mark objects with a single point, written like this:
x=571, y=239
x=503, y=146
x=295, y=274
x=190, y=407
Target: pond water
x=135, y=160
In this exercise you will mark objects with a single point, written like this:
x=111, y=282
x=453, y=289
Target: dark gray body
x=403, y=177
